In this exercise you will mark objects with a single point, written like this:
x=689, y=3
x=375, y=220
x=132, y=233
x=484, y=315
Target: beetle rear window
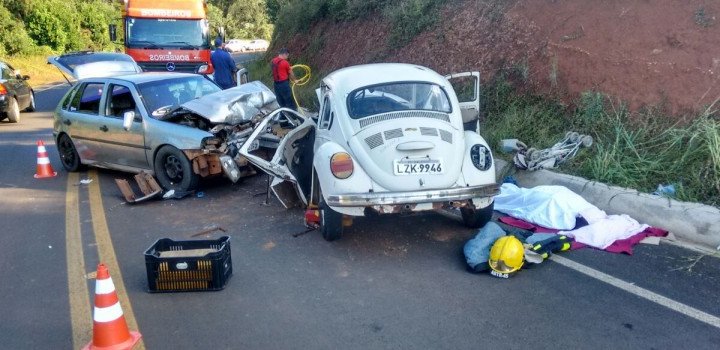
x=395, y=97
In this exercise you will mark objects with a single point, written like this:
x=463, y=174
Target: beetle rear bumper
x=412, y=197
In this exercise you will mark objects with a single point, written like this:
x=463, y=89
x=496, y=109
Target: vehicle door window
x=464, y=88
x=326, y=116
x=89, y=101
x=65, y=103
x=120, y=100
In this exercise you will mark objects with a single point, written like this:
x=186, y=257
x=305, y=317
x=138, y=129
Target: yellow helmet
x=506, y=256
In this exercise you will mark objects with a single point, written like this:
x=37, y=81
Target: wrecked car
x=179, y=127
x=389, y=138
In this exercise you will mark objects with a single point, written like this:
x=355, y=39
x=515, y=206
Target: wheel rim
x=32, y=101
x=67, y=152
x=173, y=169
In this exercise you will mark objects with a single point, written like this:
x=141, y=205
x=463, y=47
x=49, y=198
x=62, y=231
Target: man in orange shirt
x=282, y=75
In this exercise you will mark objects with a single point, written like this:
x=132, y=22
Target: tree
x=13, y=37
x=248, y=19
x=218, y=20
x=273, y=8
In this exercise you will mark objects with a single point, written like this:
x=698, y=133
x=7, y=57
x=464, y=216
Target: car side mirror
x=128, y=118
x=112, y=30
x=25, y=77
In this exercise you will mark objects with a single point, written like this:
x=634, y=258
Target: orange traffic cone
x=110, y=331
x=44, y=169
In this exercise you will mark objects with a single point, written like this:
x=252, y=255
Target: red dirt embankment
x=644, y=52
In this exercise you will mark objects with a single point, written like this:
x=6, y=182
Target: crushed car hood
x=235, y=105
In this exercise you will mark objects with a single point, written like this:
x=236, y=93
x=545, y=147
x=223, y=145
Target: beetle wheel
x=476, y=218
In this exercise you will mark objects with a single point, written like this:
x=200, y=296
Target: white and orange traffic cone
x=110, y=331
x=44, y=169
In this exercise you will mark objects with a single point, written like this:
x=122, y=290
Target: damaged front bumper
x=372, y=199
x=207, y=163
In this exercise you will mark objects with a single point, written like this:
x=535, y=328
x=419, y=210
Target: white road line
x=641, y=292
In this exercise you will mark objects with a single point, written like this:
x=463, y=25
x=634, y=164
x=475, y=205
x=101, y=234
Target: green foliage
x=54, y=23
x=637, y=150
x=19, y=8
x=14, y=39
x=217, y=20
x=273, y=8
x=249, y=20
x=95, y=16
x=30, y=27
x=408, y=17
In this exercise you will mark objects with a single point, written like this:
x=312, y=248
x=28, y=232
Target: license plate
x=417, y=166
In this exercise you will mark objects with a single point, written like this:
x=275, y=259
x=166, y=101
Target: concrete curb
x=692, y=222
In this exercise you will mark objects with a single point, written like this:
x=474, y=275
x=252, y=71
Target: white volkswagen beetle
x=389, y=138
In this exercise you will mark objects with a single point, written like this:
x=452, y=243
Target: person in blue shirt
x=224, y=66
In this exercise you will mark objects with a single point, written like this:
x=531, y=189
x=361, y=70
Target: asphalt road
x=392, y=282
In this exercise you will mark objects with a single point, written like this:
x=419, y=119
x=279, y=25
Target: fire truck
x=167, y=35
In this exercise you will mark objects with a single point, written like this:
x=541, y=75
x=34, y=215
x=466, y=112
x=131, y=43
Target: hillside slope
x=647, y=53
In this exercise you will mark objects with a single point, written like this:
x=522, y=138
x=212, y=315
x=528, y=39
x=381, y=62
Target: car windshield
x=165, y=33
x=161, y=95
x=394, y=97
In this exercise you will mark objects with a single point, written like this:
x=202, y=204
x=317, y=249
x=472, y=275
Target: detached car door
x=467, y=89
x=290, y=165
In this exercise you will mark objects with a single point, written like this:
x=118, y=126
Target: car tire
x=13, y=112
x=31, y=107
x=69, y=156
x=331, y=222
x=476, y=218
x=174, y=170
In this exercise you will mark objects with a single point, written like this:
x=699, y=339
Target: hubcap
x=173, y=169
x=16, y=108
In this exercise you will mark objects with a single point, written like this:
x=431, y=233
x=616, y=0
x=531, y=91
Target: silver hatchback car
x=180, y=127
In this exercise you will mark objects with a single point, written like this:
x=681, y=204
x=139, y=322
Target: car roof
x=146, y=77
x=346, y=80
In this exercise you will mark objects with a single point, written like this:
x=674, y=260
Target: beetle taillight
x=3, y=89
x=341, y=165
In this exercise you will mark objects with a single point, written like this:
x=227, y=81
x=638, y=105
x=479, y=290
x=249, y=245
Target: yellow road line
x=80, y=313
x=106, y=252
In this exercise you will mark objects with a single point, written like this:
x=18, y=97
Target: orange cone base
x=45, y=175
x=126, y=345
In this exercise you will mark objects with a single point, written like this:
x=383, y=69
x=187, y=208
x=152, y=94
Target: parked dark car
x=15, y=94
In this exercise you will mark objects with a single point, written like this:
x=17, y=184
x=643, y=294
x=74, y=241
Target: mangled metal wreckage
x=231, y=117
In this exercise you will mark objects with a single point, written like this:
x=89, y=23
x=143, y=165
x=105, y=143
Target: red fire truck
x=167, y=35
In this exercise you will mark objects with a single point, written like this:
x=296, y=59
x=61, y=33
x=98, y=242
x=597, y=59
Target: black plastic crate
x=188, y=266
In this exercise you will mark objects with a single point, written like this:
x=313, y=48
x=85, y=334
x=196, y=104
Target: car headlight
x=203, y=69
x=481, y=157
x=341, y=165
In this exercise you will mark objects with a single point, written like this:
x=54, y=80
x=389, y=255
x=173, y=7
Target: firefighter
x=283, y=75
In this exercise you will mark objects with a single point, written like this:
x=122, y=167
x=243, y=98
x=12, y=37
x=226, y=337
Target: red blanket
x=619, y=246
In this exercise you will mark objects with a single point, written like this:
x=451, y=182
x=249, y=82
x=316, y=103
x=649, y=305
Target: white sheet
x=558, y=207
x=601, y=233
x=548, y=206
